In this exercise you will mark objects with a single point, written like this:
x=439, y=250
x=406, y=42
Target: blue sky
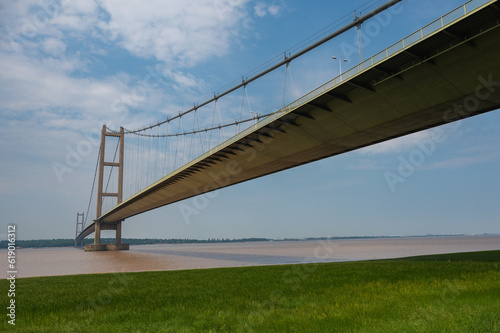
x=66, y=65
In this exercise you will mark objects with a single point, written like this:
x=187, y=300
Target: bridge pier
x=97, y=232
x=117, y=246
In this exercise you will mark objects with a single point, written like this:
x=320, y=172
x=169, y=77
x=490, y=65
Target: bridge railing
x=397, y=47
x=431, y=28
x=416, y=36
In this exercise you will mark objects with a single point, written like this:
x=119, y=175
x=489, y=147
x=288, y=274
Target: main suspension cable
x=287, y=59
x=256, y=117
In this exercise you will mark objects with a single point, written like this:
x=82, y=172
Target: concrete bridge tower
x=97, y=246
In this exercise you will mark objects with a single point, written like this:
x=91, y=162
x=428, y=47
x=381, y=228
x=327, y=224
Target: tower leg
x=97, y=238
x=97, y=246
x=118, y=239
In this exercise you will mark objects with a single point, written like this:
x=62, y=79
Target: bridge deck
x=413, y=85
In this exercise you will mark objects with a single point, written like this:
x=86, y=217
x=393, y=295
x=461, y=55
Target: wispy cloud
x=366, y=164
x=468, y=156
x=399, y=145
x=30, y=84
x=49, y=89
x=262, y=9
x=175, y=31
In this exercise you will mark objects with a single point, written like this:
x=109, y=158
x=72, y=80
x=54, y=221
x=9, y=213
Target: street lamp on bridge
x=340, y=63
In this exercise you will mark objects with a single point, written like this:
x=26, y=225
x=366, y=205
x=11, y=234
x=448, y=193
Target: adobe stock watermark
x=291, y=279
x=11, y=273
x=154, y=79
x=409, y=164
x=224, y=8
x=425, y=317
x=369, y=31
x=74, y=157
x=299, y=273
x=39, y=17
x=221, y=178
x=89, y=309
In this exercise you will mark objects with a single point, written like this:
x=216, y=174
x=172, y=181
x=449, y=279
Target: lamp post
x=340, y=62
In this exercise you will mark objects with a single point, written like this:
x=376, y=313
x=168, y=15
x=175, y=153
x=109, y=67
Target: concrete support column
x=97, y=238
x=118, y=239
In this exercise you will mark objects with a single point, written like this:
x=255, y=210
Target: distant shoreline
x=49, y=243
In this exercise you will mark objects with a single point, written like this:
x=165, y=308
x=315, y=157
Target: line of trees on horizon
x=145, y=241
x=132, y=241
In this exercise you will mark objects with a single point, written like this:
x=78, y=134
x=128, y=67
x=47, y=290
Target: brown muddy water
x=66, y=261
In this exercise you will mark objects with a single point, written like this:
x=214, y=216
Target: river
x=33, y=262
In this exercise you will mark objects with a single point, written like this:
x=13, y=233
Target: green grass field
x=443, y=293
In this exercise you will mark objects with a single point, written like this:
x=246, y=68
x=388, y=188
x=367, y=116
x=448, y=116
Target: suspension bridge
x=441, y=73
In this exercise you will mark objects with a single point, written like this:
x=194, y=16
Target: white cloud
x=398, y=145
x=53, y=46
x=29, y=84
x=456, y=162
x=178, y=33
x=38, y=72
x=274, y=10
x=182, y=80
x=48, y=89
x=175, y=31
x=32, y=26
x=485, y=153
x=261, y=9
